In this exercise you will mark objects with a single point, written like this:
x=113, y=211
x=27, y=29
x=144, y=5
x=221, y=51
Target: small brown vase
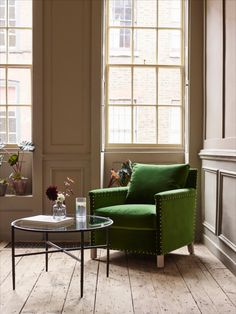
x=19, y=186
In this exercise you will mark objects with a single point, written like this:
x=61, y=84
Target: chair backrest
x=149, y=179
x=192, y=179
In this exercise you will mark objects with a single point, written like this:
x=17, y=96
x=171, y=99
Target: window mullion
x=132, y=73
x=132, y=104
x=6, y=69
x=157, y=75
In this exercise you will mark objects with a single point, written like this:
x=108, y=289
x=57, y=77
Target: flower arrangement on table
x=122, y=176
x=58, y=197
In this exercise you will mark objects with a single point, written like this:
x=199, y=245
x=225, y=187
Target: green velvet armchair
x=155, y=214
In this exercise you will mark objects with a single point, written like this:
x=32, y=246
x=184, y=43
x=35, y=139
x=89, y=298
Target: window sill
x=13, y=195
x=160, y=150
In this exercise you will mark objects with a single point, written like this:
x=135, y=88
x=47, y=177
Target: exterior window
x=15, y=71
x=121, y=17
x=144, y=72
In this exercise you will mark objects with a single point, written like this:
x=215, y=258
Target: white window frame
x=7, y=28
x=182, y=67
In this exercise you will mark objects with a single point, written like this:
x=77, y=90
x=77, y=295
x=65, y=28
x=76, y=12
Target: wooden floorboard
x=113, y=294
x=197, y=283
x=172, y=290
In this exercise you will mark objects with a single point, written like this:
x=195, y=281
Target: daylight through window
x=15, y=70
x=144, y=72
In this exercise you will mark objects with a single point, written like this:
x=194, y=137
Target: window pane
x=20, y=46
x=145, y=13
x=119, y=85
x=144, y=124
x=120, y=12
x=20, y=13
x=19, y=124
x=2, y=86
x=145, y=46
x=169, y=125
x=144, y=71
x=119, y=125
x=169, y=44
x=169, y=86
x=3, y=12
x=15, y=81
x=19, y=86
x=144, y=85
x=120, y=46
x=3, y=134
x=3, y=46
x=169, y=13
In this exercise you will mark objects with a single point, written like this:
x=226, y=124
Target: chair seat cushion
x=131, y=216
x=147, y=180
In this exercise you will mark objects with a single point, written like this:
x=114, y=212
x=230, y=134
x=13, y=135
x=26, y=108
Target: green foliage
x=15, y=160
x=3, y=181
x=27, y=146
x=1, y=159
x=122, y=176
x=125, y=173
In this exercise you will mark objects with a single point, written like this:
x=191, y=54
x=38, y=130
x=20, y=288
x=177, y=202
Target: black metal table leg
x=82, y=265
x=46, y=249
x=108, y=252
x=13, y=256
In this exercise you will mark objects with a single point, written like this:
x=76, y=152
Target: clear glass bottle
x=59, y=210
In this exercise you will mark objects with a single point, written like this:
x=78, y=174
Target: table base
x=64, y=250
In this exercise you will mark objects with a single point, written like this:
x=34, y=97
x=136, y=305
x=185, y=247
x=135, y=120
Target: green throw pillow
x=147, y=180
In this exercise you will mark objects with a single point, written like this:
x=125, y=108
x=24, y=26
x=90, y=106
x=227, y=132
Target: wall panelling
x=219, y=148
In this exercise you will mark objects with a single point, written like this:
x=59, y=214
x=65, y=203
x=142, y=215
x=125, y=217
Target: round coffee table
x=88, y=223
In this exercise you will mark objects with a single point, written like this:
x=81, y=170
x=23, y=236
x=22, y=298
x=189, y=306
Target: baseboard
x=35, y=245
x=219, y=253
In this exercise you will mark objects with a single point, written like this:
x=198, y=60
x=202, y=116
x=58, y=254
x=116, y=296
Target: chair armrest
x=107, y=197
x=175, y=218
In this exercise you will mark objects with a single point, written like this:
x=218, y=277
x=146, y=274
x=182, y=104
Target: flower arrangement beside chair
x=122, y=176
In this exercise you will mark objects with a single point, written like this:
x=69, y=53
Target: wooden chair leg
x=160, y=261
x=93, y=253
x=191, y=248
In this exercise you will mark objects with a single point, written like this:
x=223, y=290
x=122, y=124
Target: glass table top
x=73, y=224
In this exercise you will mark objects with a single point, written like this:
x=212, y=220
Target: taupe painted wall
x=219, y=151
x=66, y=106
x=67, y=101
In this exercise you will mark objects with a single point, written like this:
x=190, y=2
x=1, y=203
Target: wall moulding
x=221, y=154
x=221, y=252
x=67, y=157
x=210, y=198
x=228, y=242
x=55, y=172
x=227, y=201
x=209, y=226
x=66, y=106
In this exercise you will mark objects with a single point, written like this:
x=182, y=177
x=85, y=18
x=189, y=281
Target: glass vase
x=59, y=210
